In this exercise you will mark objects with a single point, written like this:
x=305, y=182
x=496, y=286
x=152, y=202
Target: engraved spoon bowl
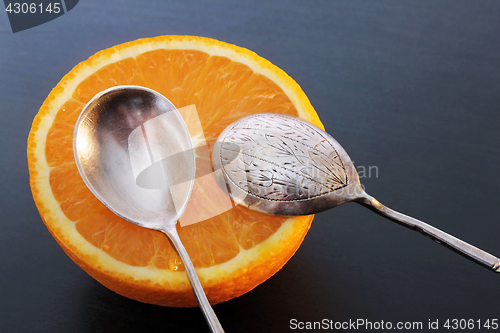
x=278, y=164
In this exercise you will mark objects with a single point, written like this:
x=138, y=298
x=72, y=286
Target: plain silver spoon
x=133, y=151
x=280, y=165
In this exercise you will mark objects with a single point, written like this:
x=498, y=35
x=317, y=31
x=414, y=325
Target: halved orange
x=233, y=252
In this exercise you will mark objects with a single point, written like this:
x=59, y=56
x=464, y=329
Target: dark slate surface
x=411, y=88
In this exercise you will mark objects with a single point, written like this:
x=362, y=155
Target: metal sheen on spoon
x=134, y=152
x=281, y=165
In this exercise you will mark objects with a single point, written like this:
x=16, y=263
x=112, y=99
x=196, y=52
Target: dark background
x=412, y=88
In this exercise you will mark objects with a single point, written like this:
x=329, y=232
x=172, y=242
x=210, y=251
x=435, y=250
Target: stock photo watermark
x=381, y=325
x=25, y=15
x=370, y=171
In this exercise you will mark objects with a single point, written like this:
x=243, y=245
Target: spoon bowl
x=113, y=147
x=134, y=152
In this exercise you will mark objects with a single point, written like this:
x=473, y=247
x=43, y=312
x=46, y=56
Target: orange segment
x=233, y=249
x=119, y=73
x=59, y=145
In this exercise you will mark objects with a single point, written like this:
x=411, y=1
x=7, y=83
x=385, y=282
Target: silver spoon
x=280, y=165
x=133, y=151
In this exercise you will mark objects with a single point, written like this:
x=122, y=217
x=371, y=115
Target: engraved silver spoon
x=133, y=151
x=281, y=165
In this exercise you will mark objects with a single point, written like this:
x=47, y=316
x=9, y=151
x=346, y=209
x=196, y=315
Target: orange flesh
x=222, y=91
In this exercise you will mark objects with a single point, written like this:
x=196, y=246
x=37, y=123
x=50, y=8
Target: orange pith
x=233, y=251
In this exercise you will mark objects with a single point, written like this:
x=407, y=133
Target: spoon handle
x=439, y=236
x=208, y=312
